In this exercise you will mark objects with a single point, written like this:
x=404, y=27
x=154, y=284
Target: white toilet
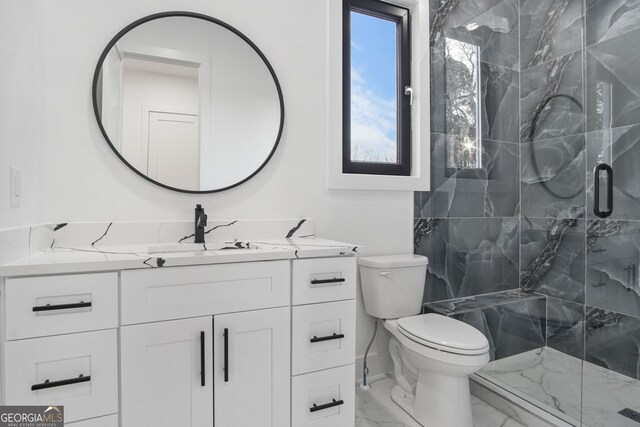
x=433, y=355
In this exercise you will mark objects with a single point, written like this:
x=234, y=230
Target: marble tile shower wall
x=468, y=225
x=556, y=90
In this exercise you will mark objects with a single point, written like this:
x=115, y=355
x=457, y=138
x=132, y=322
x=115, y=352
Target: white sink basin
x=194, y=247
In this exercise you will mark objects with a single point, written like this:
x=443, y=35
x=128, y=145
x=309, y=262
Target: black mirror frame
x=114, y=40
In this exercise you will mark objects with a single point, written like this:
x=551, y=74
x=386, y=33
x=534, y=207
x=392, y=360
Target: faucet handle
x=202, y=220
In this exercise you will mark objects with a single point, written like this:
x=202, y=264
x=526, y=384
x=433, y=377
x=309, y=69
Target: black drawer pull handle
x=52, y=384
x=226, y=355
x=202, y=362
x=50, y=307
x=323, y=281
x=327, y=338
x=315, y=407
x=596, y=190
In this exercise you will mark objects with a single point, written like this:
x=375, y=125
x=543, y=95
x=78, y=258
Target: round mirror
x=188, y=102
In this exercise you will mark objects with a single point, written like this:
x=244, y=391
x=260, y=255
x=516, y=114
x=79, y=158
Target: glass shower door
x=611, y=372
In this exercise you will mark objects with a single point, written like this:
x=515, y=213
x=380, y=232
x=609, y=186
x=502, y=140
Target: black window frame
x=401, y=16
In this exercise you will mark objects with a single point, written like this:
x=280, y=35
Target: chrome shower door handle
x=602, y=167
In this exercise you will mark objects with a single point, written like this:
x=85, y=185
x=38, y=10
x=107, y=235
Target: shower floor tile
x=553, y=381
x=374, y=408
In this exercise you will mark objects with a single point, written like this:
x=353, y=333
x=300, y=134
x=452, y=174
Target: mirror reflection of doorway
x=174, y=148
x=160, y=119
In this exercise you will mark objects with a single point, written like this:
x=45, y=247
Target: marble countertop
x=84, y=247
x=61, y=259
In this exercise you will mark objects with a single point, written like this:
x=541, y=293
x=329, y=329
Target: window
x=377, y=93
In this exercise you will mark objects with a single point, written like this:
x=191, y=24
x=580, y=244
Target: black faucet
x=201, y=223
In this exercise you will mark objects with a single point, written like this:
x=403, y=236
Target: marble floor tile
x=559, y=383
x=374, y=408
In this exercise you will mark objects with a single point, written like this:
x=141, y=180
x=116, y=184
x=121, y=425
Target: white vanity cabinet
x=61, y=343
x=323, y=342
x=251, y=368
x=166, y=376
x=260, y=344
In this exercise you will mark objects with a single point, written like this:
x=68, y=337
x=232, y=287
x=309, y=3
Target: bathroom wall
x=558, y=93
x=21, y=110
x=48, y=128
x=469, y=225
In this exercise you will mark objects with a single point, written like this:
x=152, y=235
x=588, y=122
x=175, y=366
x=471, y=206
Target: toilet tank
x=393, y=285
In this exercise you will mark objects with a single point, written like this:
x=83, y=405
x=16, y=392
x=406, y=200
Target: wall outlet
x=15, y=190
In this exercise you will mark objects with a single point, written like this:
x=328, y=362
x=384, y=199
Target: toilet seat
x=443, y=333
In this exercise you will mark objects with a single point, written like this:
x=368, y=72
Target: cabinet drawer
x=324, y=279
x=52, y=305
x=109, y=421
x=323, y=336
x=46, y=371
x=333, y=393
x=180, y=292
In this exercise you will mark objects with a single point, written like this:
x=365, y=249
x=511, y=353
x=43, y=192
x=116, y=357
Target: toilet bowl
x=433, y=355
x=433, y=377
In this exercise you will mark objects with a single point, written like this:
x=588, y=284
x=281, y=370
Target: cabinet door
x=251, y=368
x=167, y=377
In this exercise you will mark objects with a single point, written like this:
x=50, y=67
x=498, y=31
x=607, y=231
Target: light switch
x=15, y=191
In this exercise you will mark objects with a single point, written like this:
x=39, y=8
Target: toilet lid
x=445, y=333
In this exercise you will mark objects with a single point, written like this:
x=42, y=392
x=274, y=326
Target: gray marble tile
x=612, y=340
x=463, y=90
x=606, y=19
x=439, y=90
x=510, y=328
x=417, y=204
x=552, y=177
x=565, y=326
x=613, y=264
x=447, y=14
x=500, y=95
x=613, y=83
x=552, y=257
x=488, y=189
x=549, y=29
x=551, y=99
x=494, y=32
x=468, y=256
x=620, y=148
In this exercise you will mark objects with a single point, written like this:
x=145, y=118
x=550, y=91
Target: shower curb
x=514, y=406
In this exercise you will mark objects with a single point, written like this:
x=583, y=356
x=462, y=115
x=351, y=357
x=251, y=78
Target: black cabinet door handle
x=50, y=307
x=52, y=384
x=596, y=190
x=327, y=338
x=323, y=281
x=226, y=355
x=334, y=402
x=202, y=361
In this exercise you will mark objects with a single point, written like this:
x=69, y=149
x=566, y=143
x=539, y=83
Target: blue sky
x=373, y=88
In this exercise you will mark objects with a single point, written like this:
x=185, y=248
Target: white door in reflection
x=160, y=119
x=174, y=148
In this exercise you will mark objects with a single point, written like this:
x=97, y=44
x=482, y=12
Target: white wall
x=21, y=110
x=74, y=176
